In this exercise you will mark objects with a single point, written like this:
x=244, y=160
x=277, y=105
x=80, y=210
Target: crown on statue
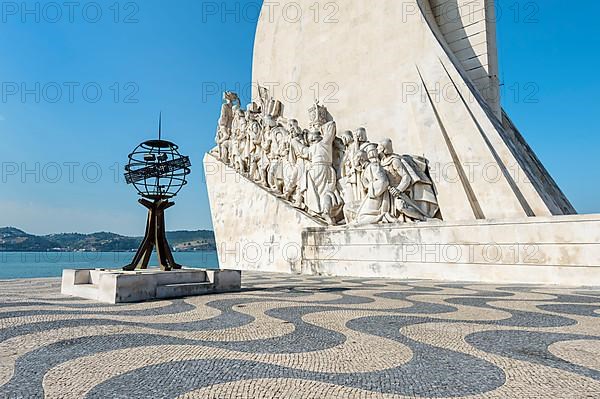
x=318, y=114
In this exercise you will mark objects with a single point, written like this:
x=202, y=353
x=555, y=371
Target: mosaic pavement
x=296, y=337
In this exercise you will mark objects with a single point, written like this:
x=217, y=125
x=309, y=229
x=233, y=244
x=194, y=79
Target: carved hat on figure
x=318, y=115
x=360, y=135
x=347, y=137
x=372, y=152
x=386, y=147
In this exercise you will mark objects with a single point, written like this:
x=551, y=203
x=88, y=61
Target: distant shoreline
x=91, y=252
x=16, y=240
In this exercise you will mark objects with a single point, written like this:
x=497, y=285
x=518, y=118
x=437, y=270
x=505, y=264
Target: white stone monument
x=407, y=168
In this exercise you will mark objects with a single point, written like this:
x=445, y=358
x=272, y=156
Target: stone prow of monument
x=425, y=74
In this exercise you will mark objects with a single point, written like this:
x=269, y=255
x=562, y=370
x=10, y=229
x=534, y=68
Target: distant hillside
x=103, y=242
x=15, y=240
x=12, y=239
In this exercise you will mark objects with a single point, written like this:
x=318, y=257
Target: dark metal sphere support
x=158, y=172
x=155, y=238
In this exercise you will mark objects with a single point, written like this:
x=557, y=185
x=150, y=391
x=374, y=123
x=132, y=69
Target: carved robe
x=254, y=150
x=234, y=142
x=296, y=175
x=277, y=157
x=377, y=204
x=242, y=141
x=409, y=175
x=339, y=149
x=321, y=178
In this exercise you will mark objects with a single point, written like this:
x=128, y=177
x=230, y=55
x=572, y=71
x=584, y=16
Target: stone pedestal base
x=563, y=250
x=257, y=231
x=117, y=286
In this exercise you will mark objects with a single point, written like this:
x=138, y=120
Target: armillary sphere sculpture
x=158, y=172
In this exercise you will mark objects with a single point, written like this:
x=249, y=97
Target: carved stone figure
x=360, y=141
x=268, y=150
x=237, y=140
x=322, y=197
x=293, y=163
x=268, y=105
x=346, y=171
x=359, y=162
x=338, y=155
x=376, y=206
x=254, y=139
x=278, y=156
x=412, y=191
x=347, y=177
x=224, y=126
x=298, y=144
x=222, y=139
x=333, y=178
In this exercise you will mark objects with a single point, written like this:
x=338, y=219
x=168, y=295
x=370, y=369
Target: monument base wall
x=254, y=229
x=561, y=250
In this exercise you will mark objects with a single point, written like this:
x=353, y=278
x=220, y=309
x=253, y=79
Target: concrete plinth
x=561, y=250
x=117, y=286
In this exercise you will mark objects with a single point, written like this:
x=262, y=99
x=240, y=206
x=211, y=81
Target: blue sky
x=63, y=145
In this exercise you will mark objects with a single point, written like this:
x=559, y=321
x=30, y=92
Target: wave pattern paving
x=304, y=337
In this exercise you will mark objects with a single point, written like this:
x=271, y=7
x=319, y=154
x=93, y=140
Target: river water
x=14, y=265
